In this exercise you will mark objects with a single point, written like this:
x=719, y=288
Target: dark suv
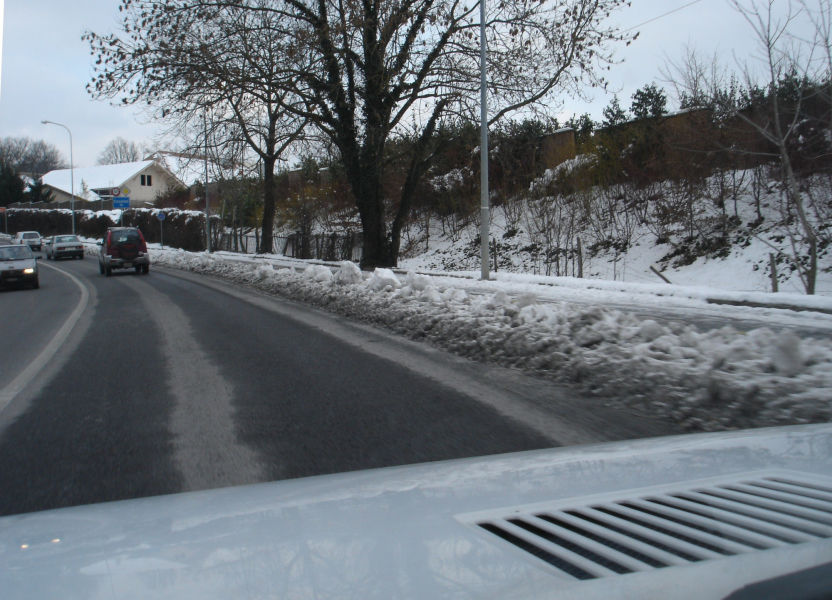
x=123, y=248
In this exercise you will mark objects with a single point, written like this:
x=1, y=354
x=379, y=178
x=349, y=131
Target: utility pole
x=485, y=213
x=207, y=218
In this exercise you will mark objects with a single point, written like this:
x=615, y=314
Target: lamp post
x=71, y=172
x=485, y=213
x=207, y=217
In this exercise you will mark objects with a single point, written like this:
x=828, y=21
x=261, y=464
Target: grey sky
x=46, y=66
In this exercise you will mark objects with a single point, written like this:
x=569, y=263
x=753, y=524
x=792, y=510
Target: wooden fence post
x=494, y=251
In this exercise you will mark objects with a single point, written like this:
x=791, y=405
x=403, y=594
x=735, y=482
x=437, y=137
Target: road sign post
x=121, y=202
x=161, y=216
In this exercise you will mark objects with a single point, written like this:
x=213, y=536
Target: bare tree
x=359, y=71
x=771, y=101
x=781, y=56
x=120, y=150
x=212, y=71
x=32, y=157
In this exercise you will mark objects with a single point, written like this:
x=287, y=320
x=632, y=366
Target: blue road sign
x=160, y=215
x=121, y=202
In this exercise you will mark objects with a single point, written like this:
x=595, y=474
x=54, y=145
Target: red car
x=123, y=248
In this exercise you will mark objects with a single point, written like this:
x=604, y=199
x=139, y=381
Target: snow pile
x=383, y=280
x=349, y=273
x=318, y=273
x=707, y=380
x=563, y=169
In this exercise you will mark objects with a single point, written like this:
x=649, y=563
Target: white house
x=141, y=181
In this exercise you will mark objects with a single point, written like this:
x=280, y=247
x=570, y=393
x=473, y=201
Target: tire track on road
x=207, y=451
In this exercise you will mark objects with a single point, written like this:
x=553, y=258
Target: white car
x=18, y=266
x=62, y=246
x=30, y=238
x=690, y=516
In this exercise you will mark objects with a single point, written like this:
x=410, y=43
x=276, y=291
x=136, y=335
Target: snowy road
x=766, y=364
x=174, y=382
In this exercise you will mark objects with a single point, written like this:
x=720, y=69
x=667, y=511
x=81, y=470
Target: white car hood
x=17, y=264
x=417, y=531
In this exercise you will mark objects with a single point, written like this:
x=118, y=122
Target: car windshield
x=313, y=256
x=15, y=252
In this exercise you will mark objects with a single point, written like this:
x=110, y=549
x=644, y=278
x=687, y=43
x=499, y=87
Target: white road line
x=34, y=368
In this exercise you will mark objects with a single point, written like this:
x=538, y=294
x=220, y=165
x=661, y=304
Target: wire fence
x=331, y=247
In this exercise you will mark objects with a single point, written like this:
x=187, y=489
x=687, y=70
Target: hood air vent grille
x=653, y=531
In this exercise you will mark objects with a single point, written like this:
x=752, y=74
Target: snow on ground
x=566, y=330
x=745, y=268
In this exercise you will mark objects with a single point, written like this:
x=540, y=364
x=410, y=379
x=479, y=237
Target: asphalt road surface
x=135, y=385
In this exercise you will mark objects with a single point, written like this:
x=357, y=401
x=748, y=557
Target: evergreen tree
x=649, y=102
x=583, y=126
x=614, y=114
x=38, y=193
x=11, y=186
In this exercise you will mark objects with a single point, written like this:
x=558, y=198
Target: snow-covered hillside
x=523, y=229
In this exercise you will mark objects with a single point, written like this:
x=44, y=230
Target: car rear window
x=30, y=235
x=66, y=238
x=130, y=236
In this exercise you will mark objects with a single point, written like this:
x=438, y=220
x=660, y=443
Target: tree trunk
x=810, y=274
x=365, y=181
x=268, y=206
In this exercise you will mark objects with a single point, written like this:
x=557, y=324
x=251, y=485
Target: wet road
x=134, y=385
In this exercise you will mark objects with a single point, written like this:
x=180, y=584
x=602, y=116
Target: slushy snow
x=586, y=333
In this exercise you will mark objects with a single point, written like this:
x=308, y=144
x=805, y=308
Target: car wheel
x=138, y=269
x=146, y=269
x=36, y=284
x=108, y=271
x=100, y=268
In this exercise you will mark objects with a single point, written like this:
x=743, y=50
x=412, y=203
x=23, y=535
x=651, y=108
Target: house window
x=147, y=180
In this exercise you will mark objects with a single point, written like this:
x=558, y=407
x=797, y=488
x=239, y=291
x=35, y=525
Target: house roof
x=189, y=168
x=100, y=176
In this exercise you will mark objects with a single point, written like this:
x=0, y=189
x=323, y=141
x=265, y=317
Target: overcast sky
x=45, y=65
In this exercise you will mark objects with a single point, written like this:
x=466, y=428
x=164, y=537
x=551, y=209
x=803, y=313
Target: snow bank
x=706, y=380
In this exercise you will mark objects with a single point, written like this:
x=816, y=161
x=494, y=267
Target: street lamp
x=485, y=214
x=71, y=172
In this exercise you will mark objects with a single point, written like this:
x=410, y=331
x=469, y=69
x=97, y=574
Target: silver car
x=63, y=246
x=18, y=266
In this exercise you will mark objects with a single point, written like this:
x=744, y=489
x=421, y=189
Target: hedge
x=182, y=229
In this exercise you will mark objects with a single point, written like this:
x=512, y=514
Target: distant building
x=141, y=181
x=188, y=168
x=558, y=147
